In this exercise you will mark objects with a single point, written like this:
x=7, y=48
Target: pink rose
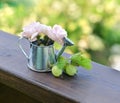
x=57, y=33
x=34, y=29
x=50, y=34
x=31, y=31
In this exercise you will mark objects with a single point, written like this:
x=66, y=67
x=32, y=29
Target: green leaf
x=61, y=62
x=85, y=63
x=79, y=60
x=75, y=59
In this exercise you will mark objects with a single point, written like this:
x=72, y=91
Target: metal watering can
x=41, y=58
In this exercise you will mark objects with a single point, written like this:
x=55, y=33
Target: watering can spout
x=67, y=42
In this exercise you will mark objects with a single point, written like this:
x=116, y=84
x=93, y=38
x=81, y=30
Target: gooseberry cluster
x=69, y=65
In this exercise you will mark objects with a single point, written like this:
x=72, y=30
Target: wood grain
x=100, y=85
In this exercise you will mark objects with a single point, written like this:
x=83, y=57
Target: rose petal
x=33, y=37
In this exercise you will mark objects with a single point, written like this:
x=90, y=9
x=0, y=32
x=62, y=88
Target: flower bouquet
x=42, y=57
x=45, y=35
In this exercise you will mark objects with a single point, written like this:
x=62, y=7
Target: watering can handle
x=20, y=46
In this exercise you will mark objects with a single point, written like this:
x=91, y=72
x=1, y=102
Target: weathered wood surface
x=100, y=85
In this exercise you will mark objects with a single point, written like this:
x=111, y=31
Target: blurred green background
x=93, y=25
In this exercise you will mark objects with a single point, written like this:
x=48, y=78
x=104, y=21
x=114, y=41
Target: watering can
x=41, y=58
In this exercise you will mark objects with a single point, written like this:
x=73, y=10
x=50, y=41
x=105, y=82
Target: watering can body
x=41, y=58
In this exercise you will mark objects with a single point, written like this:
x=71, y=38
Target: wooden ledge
x=100, y=85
